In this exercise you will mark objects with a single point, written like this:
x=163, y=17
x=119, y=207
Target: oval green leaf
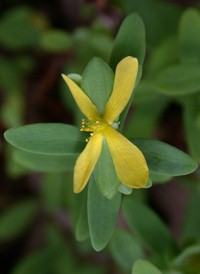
x=102, y=215
x=145, y=267
x=164, y=55
x=177, y=80
x=125, y=249
x=130, y=40
x=45, y=163
x=17, y=218
x=191, y=220
x=97, y=82
x=52, y=191
x=189, y=36
x=51, y=139
x=189, y=260
x=191, y=111
x=55, y=41
x=18, y=29
x=104, y=173
x=82, y=229
x=158, y=178
x=164, y=159
x=146, y=224
x=35, y=262
x=155, y=14
x=10, y=79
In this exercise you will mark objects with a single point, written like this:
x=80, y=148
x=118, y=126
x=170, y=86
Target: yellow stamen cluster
x=93, y=125
x=96, y=125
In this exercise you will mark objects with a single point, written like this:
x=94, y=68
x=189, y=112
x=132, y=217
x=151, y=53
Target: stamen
x=92, y=125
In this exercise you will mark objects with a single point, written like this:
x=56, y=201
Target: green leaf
x=56, y=241
x=130, y=40
x=104, y=173
x=190, y=36
x=165, y=54
x=17, y=218
x=74, y=202
x=173, y=272
x=102, y=216
x=55, y=252
x=35, y=263
x=96, y=41
x=52, y=189
x=125, y=249
x=155, y=14
x=82, y=228
x=45, y=163
x=97, y=82
x=164, y=159
x=90, y=269
x=191, y=111
x=18, y=29
x=55, y=41
x=157, y=178
x=12, y=111
x=189, y=260
x=49, y=139
x=147, y=226
x=191, y=220
x=10, y=78
x=145, y=267
x=178, y=80
x=141, y=125
x=61, y=260
x=14, y=169
x=197, y=120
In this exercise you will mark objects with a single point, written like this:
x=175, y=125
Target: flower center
x=93, y=125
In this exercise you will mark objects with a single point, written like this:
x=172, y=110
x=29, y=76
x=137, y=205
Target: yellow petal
x=125, y=76
x=82, y=100
x=129, y=162
x=86, y=162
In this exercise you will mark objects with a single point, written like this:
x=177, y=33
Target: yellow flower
x=129, y=162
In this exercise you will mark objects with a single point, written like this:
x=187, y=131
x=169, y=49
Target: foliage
x=108, y=227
